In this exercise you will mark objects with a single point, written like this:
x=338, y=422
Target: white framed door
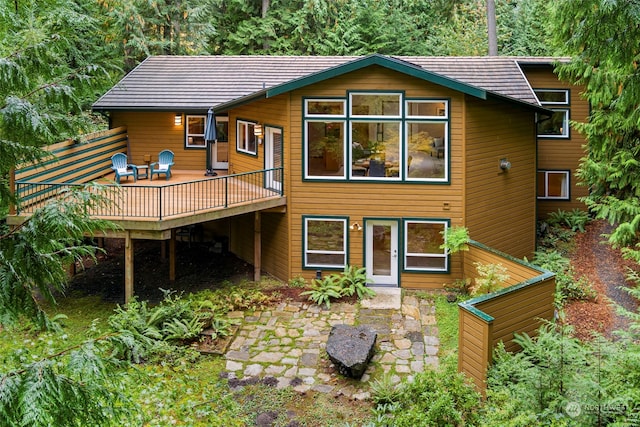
x=273, y=157
x=220, y=149
x=381, y=252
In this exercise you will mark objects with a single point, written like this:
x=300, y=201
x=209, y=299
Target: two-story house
x=371, y=158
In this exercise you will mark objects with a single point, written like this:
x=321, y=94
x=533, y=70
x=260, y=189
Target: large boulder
x=350, y=348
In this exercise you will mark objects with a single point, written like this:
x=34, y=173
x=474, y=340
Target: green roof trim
x=382, y=61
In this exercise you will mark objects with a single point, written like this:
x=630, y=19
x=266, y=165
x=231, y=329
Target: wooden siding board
x=494, y=198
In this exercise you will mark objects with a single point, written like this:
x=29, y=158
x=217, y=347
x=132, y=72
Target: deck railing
x=163, y=201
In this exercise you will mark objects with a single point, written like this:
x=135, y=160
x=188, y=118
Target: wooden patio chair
x=122, y=168
x=163, y=165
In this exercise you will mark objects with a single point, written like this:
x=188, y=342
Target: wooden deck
x=152, y=206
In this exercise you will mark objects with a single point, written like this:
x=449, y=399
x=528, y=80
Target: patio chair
x=163, y=165
x=122, y=168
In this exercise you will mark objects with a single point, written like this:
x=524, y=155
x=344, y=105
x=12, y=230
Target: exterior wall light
x=505, y=164
x=257, y=130
x=355, y=227
x=177, y=120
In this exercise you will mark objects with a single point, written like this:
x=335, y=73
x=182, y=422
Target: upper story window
x=556, y=126
x=246, y=137
x=195, y=132
x=378, y=136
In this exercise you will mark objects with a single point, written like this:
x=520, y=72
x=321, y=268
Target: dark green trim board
x=382, y=61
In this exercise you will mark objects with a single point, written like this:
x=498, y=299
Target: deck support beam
x=128, y=268
x=257, y=246
x=172, y=255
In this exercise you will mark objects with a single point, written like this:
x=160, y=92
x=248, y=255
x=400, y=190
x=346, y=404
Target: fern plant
x=354, y=281
x=323, y=290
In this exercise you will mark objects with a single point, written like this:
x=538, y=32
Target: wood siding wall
x=488, y=320
x=561, y=154
x=81, y=161
x=499, y=205
x=152, y=132
x=72, y=162
x=361, y=200
x=275, y=249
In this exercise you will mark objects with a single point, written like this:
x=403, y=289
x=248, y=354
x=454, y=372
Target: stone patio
x=287, y=343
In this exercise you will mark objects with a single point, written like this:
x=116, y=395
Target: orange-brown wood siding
x=499, y=205
x=152, y=132
x=359, y=200
x=275, y=248
x=561, y=154
x=474, y=355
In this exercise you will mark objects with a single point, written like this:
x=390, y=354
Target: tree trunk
x=491, y=28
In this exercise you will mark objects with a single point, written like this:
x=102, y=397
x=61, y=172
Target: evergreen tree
x=603, y=36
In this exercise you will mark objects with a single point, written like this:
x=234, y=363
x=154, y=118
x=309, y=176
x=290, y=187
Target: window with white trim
x=246, y=137
x=325, y=242
x=422, y=245
x=388, y=138
x=556, y=126
x=195, y=132
x=553, y=185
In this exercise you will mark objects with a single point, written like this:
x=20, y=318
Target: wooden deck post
x=12, y=190
x=172, y=255
x=257, y=246
x=128, y=267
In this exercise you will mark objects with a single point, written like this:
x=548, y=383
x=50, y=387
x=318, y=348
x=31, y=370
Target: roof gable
x=382, y=61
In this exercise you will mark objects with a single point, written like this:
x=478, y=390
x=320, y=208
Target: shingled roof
x=196, y=83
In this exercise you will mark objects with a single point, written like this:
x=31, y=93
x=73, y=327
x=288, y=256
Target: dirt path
x=604, y=267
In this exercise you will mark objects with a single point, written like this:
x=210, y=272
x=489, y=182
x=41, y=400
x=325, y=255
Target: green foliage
x=606, y=64
x=297, y=282
x=576, y=220
x=432, y=398
x=554, y=370
x=352, y=281
x=323, y=290
x=144, y=332
x=456, y=239
x=34, y=256
x=74, y=387
x=568, y=286
x=491, y=277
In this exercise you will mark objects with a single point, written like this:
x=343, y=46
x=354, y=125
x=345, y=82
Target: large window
x=423, y=240
x=556, y=126
x=246, y=137
x=195, y=132
x=388, y=138
x=325, y=242
x=553, y=185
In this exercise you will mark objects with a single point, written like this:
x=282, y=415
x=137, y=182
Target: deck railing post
x=160, y=201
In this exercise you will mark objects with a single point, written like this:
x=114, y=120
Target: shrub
x=491, y=278
x=432, y=398
x=568, y=287
x=297, y=282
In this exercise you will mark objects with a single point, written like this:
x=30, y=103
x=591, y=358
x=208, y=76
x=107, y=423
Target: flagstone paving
x=286, y=344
